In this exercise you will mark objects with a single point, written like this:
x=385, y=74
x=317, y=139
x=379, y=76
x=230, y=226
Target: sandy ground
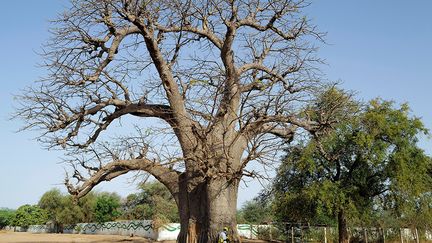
x=25, y=237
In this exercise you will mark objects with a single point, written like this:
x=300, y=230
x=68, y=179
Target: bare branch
x=114, y=169
x=222, y=78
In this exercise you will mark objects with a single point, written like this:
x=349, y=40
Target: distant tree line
x=152, y=201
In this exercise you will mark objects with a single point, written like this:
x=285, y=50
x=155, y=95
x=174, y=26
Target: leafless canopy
x=226, y=77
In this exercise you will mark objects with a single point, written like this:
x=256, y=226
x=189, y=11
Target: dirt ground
x=24, y=237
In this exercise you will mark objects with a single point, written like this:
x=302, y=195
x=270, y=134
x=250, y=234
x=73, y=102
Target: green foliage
x=51, y=202
x=62, y=210
x=366, y=164
x=70, y=212
x=255, y=211
x=107, y=207
x=164, y=209
x=6, y=217
x=239, y=217
x=154, y=201
x=332, y=106
x=27, y=215
x=87, y=205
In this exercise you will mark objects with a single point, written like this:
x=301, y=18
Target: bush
x=6, y=217
x=106, y=208
x=27, y=215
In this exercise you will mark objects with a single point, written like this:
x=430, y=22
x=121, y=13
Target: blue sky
x=376, y=48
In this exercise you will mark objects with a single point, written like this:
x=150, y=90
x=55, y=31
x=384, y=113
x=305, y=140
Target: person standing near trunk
x=223, y=236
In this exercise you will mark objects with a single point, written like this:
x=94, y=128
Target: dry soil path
x=24, y=237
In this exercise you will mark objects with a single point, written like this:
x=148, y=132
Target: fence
x=298, y=233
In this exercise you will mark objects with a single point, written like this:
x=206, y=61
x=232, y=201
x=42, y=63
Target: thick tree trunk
x=207, y=209
x=343, y=228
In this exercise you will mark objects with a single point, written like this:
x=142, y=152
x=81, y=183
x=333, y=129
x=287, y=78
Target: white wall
x=143, y=228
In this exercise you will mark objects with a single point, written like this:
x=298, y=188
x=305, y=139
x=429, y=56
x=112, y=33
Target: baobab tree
x=226, y=78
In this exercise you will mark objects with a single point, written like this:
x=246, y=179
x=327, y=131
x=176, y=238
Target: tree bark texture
x=206, y=209
x=342, y=226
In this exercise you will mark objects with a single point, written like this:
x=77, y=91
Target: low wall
x=142, y=228
x=15, y=229
x=31, y=229
x=171, y=231
x=168, y=232
x=248, y=231
x=40, y=229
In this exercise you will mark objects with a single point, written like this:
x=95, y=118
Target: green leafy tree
x=70, y=212
x=344, y=170
x=27, y=215
x=154, y=201
x=52, y=202
x=62, y=210
x=87, y=205
x=107, y=207
x=6, y=217
x=411, y=208
x=256, y=211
